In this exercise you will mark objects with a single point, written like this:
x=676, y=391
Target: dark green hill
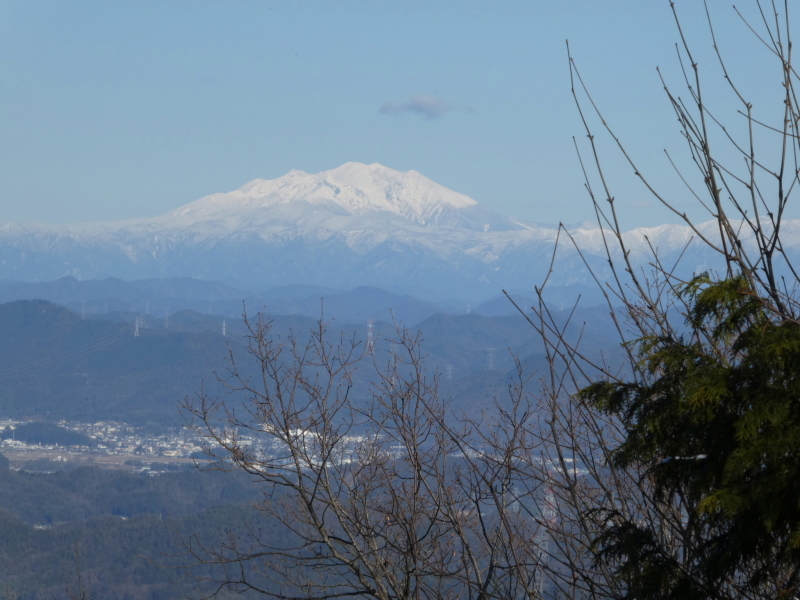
x=120, y=524
x=47, y=433
x=53, y=365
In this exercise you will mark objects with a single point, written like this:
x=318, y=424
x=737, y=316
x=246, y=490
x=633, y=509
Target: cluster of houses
x=111, y=437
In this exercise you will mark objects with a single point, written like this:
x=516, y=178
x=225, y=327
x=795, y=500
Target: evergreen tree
x=716, y=426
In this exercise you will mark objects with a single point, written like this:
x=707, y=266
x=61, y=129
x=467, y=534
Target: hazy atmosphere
x=399, y=300
x=127, y=110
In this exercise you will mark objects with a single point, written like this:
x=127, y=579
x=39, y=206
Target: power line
x=62, y=357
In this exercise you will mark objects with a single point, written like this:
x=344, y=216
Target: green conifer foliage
x=715, y=427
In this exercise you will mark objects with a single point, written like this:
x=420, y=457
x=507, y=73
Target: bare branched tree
x=636, y=520
x=402, y=497
x=82, y=582
x=382, y=500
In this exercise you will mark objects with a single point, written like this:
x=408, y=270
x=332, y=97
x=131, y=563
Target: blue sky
x=112, y=110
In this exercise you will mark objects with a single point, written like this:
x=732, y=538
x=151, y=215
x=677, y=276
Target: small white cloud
x=429, y=107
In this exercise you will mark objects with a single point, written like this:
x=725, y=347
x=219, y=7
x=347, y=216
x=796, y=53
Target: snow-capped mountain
x=351, y=190
x=353, y=225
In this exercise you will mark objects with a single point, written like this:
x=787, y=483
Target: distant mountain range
x=357, y=225
x=56, y=365
x=157, y=299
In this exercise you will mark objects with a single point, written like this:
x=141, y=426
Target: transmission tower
x=490, y=358
x=370, y=338
x=448, y=370
x=224, y=330
x=136, y=328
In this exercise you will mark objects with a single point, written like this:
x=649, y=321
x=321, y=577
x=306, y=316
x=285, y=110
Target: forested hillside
x=55, y=365
x=122, y=525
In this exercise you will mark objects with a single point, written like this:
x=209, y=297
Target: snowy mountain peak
x=353, y=188
x=351, y=226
